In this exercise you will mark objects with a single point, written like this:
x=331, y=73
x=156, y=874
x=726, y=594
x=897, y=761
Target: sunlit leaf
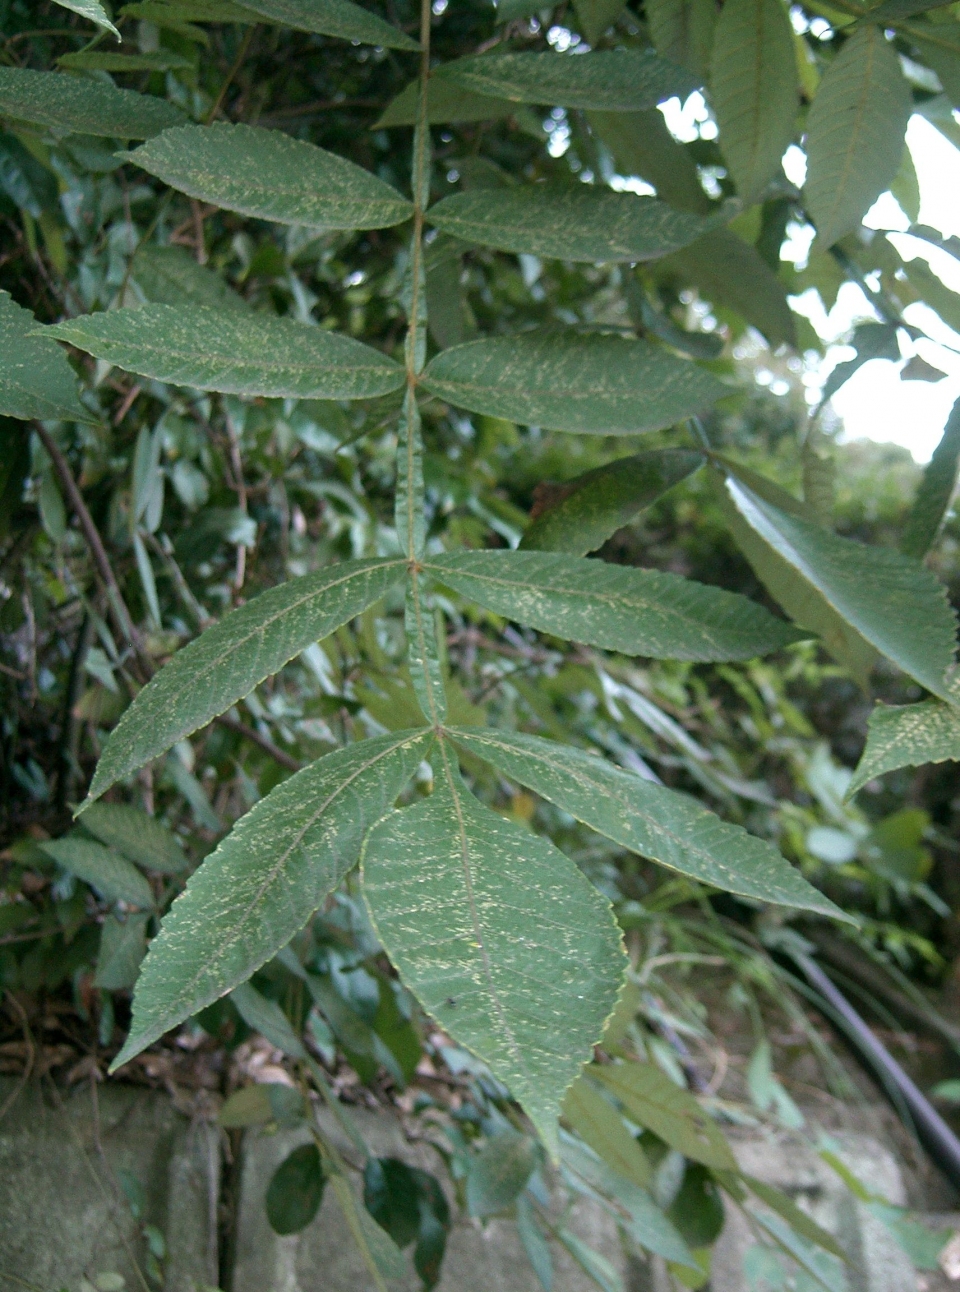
x=82, y=105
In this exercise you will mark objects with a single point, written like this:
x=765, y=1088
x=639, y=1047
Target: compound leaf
x=233, y=352
x=909, y=735
x=266, y=879
x=35, y=378
x=226, y=662
x=753, y=89
x=617, y=80
x=935, y=493
x=670, y=828
x=638, y=612
x=524, y=974
x=114, y=878
x=332, y=18
x=855, y=133
x=271, y=176
x=83, y=106
x=599, y=384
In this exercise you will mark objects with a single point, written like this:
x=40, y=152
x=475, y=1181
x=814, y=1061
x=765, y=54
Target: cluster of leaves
x=280, y=368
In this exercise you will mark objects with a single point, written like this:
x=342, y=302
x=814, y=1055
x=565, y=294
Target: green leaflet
x=524, y=974
x=171, y=276
x=599, y=1124
x=103, y=61
x=266, y=879
x=600, y=502
x=600, y=384
x=909, y=735
x=682, y=31
x=76, y=104
x=889, y=600
x=498, y=1174
x=662, y=824
x=114, y=878
x=754, y=90
x=233, y=352
x=269, y=175
x=855, y=133
x=935, y=492
x=893, y=10
x=577, y=222
x=332, y=18
x=618, y=80
x=642, y=145
x=226, y=662
x=189, y=11
x=35, y=378
x=446, y=101
x=123, y=944
x=91, y=9
x=138, y=836
x=652, y=1100
x=638, y=612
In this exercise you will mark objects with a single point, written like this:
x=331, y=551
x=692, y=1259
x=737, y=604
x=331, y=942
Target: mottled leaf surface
x=909, y=735
x=332, y=18
x=114, y=878
x=266, y=879
x=35, y=378
x=81, y=105
x=638, y=612
x=618, y=80
x=855, y=133
x=227, y=661
x=891, y=601
x=581, y=222
x=936, y=491
x=269, y=175
x=233, y=352
x=603, y=385
x=446, y=101
x=598, y=503
x=753, y=89
x=499, y=936
x=668, y=827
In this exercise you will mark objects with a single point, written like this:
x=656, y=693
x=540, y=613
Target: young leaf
x=670, y=828
x=618, y=80
x=887, y=599
x=171, y=276
x=271, y=176
x=295, y=1190
x=682, y=31
x=138, y=836
x=935, y=493
x=909, y=735
x=332, y=18
x=754, y=91
x=599, y=384
x=446, y=101
x=600, y=502
x=232, y=352
x=599, y=1124
x=581, y=222
x=266, y=879
x=81, y=105
x=105, y=870
x=855, y=133
x=35, y=378
x=523, y=974
x=652, y=1100
x=499, y=1173
x=638, y=612
x=226, y=662
x=91, y=9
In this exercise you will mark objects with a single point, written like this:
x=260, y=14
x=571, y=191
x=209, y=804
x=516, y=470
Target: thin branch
x=264, y=742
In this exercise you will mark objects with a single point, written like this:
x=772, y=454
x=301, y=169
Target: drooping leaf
x=889, y=600
x=534, y=1242
x=272, y=176
x=618, y=80
x=682, y=31
x=576, y=222
x=266, y=1017
x=600, y=502
x=935, y=493
x=332, y=18
x=754, y=91
x=91, y=9
x=295, y=1190
x=651, y=1099
x=171, y=276
x=27, y=183
x=446, y=102
x=140, y=837
x=855, y=133
x=226, y=662
x=797, y=1219
x=524, y=975
x=599, y=1124
x=114, y=878
x=123, y=943
x=96, y=60
x=81, y=105
x=638, y=612
x=35, y=378
x=599, y=384
x=642, y=145
x=697, y=1210
x=266, y=879
x=499, y=1173
x=909, y=735
x=670, y=828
